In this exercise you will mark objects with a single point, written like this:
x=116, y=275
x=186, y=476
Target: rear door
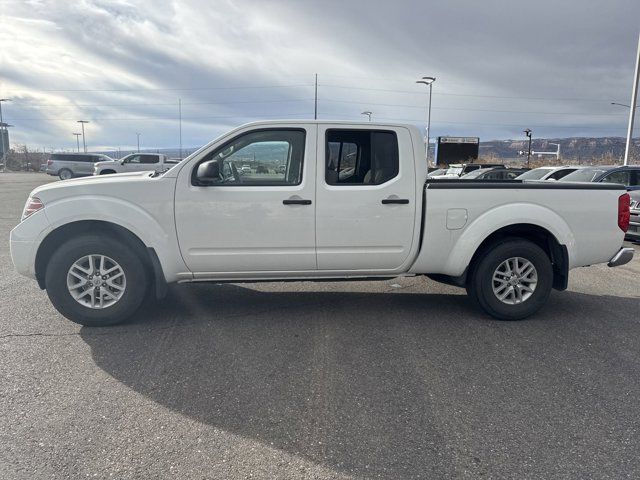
x=84, y=164
x=366, y=198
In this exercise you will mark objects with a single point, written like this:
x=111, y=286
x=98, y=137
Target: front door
x=366, y=198
x=258, y=214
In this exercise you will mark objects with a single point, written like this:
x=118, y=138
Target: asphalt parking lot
x=398, y=379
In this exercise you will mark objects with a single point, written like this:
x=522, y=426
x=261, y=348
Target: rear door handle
x=396, y=201
x=296, y=201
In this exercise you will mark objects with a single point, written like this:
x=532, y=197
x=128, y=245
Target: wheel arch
x=54, y=238
x=543, y=238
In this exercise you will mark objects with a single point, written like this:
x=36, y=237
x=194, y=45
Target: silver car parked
x=69, y=165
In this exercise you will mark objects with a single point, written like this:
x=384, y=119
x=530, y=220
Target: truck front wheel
x=96, y=280
x=512, y=280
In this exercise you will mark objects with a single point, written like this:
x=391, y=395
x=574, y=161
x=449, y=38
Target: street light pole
x=3, y=129
x=429, y=82
x=527, y=132
x=84, y=142
x=368, y=114
x=315, y=99
x=634, y=102
x=77, y=140
x=623, y=104
x=138, y=135
x=180, y=124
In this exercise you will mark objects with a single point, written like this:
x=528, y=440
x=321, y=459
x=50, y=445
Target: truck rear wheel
x=96, y=281
x=512, y=280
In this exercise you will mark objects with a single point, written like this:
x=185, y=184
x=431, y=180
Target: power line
x=143, y=89
x=517, y=125
x=421, y=107
x=173, y=104
x=173, y=117
x=461, y=94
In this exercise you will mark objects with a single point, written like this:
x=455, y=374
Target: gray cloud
x=501, y=66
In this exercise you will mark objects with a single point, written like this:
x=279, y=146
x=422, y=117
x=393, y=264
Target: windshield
x=455, y=170
x=476, y=173
x=440, y=171
x=583, y=175
x=535, y=174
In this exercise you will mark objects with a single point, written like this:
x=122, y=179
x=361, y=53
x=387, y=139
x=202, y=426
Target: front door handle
x=296, y=201
x=396, y=201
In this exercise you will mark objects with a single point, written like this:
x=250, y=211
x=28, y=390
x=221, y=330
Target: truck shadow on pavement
x=391, y=385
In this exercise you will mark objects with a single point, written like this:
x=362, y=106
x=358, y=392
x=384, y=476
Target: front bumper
x=24, y=241
x=23, y=256
x=623, y=256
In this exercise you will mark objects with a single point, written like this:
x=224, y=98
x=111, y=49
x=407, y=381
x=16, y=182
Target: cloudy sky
x=501, y=66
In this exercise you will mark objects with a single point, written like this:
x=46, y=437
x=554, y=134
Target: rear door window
x=148, y=159
x=361, y=157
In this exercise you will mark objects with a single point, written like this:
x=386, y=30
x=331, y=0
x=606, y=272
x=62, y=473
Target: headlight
x=33, y=205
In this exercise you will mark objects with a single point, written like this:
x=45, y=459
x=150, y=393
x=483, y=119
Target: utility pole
x=429, y=82
x=180, y=124
x=3, y=131
x=527, y=132
x=84, y=142
x=138, y=135
x=632, y=108
x=315, y=100
x=77, y=140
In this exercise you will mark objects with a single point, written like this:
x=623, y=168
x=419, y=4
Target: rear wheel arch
x=543, y=238
x=84, y=227
x=107, y=172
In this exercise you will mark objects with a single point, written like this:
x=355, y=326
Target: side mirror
x=208, y=172
x=121, y=162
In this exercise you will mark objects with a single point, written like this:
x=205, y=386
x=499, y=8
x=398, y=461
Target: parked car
x=135, y=162
x=262, y=169
x=548, y=173
x=100, y=245
x=634, y=221
x=494, y=173
x=629, y=175
x=456, y=170
x=69, y=165
x=245, y=169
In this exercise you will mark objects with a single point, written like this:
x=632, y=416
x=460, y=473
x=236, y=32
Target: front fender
x=156, y=229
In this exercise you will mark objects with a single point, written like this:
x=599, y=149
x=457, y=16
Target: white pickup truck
x=135, y=162
x=352, y=202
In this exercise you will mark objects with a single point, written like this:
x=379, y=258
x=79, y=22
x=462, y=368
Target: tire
x=522, y=298
x=65, y=174
x=130, y=289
